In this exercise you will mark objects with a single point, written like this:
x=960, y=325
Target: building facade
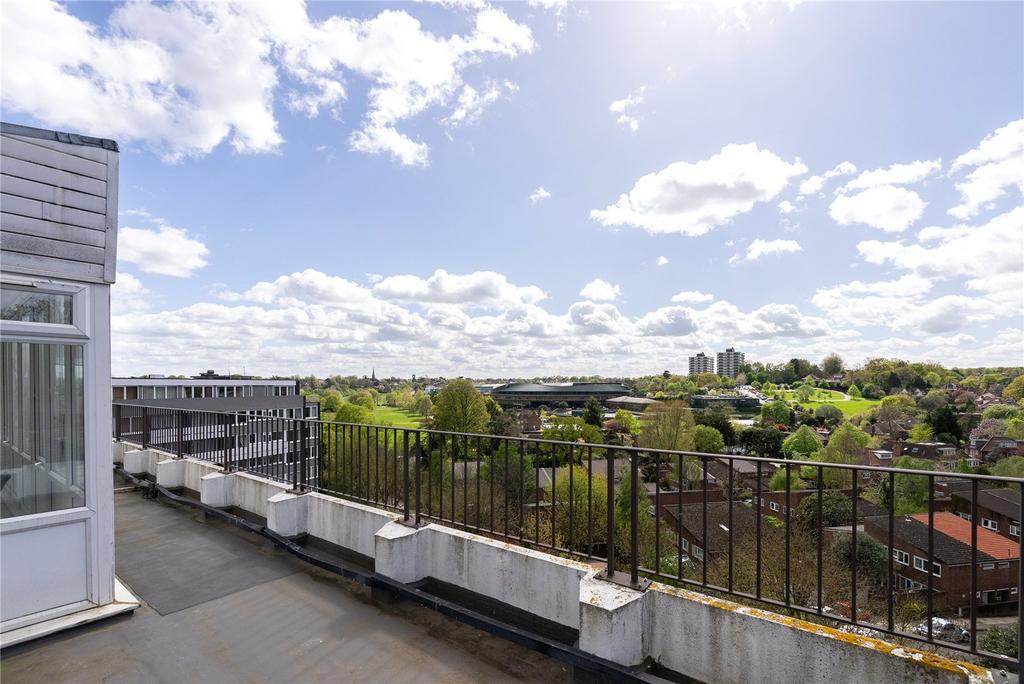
x=701, y=363
x=729, y=362
x=58, y=250
x=220, y=414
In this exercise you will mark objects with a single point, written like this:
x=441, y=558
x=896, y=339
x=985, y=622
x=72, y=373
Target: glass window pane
x=17, y=304
x=42, y=428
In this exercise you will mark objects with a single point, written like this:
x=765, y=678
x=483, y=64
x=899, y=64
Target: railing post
x=145, y=427
x=305, y=455
x=118, y=410
x=405, y=475
x=610, y=460
x=419, y=450
x=222, y=425
x=634, y=519
x=234, y=439
x=181, y=431
x=291, y=454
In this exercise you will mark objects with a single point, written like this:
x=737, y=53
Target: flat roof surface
x=221, y=606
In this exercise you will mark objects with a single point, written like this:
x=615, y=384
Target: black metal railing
x=876, y=549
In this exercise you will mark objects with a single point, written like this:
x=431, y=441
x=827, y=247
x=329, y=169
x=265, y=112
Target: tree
x=569, y=430
x=945, y=425
x=828, y=415
x=804, y=393
x=707, y=439
x=1001, y=640
x=330, y=400
x=911, y=494
x=777, y=483
x=836, y=510
x=777, y=412
x=362, y=398
x=424, y=404
x=762, y=441
x=872, y=556
x=1015, y=390
x=628, y=421
x=668, y=426
x=353, y=413
x=592, y=412
x=721, y=421
x=1012, y=466
x=832, y=365
x=1003, y=411
x=990, y=427
x=802, y=443
x=846, y=444
x=854, y=392
x=1015, y=428
x=922, y=432
x=459, y=407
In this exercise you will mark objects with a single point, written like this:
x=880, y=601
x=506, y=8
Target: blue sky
x=294, y=177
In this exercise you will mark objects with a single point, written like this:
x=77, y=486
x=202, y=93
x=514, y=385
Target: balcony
x=541, y=543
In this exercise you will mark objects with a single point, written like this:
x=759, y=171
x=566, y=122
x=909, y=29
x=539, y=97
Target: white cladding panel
x=42, y=569
x=58, y=204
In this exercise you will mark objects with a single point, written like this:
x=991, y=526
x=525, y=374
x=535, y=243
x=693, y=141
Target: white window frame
x=79, y=328
x=966, y=516
x=1014, y=528
x=685, y=543
x=774, y=506
x=901, y=557
x=989, y=524
x=698, y=552
x=922, y=563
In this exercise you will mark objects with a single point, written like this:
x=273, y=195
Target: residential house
x=998, y=559
x=998, y=509
x=688, y=522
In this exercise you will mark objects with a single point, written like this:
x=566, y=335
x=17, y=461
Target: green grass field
x=395, y=417
x=824, y=397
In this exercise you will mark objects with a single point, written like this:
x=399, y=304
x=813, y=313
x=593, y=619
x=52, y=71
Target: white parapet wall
x=699, y=636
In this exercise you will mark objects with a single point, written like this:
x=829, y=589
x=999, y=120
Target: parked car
x=944, y=630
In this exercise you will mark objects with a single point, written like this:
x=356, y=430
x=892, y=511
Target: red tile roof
x=952, y=525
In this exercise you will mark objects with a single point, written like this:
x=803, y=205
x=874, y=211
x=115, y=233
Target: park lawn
x=850, y=408
x=396, y=417
x=821, y=395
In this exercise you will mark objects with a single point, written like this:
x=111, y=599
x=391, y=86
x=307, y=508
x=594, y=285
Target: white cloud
x=166, y=250
x=694, y=198
x=168, y=74
x=759, y=248
x=600, y=290
x=692, y=296
x=539, y=195
x=996, y=164
x=988, y=256
x=127, y=295
x=669, y=320
x=887, y=207
x=598, y=318
x=481, y=288
x=896, y=174
x=471, y=102
x=625, y=106
x=815, y=184
x=786, y=207
x=662, y=261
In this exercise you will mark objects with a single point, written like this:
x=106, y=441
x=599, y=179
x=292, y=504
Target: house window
x=29, y=306
x=1003, y=565
x=1015, y=528
x=922, y=563
x=774, y=506
x=698, y=552
x=989, y=524
x=966, y=516
x=42, y=419
x=1013, y=590
x=901, y=557
x=988, y=566
x=686, y=544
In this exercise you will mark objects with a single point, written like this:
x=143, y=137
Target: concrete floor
x=234, y=610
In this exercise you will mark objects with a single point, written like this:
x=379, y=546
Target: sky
x=516, y=190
